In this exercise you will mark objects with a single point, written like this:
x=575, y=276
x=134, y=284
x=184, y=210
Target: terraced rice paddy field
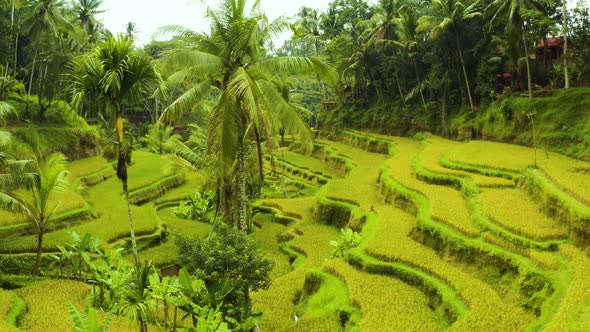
x=454, y=236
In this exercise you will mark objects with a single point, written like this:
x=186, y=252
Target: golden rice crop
x=386, y=304
x=446, y=204
x=434, y=151
x=514, y=210
x=569, y=315
x=544, y=259
x=46, y=304
x=307, y=162
x=561, y=169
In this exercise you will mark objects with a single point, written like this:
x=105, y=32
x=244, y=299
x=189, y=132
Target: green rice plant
x=87, y=166
x=193, y=181
x=146, y=169
x=46, y=304
x=514, y=210
x=156, y=189
x=97, y=177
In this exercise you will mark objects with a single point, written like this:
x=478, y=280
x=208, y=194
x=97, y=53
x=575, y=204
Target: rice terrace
x=365, y=166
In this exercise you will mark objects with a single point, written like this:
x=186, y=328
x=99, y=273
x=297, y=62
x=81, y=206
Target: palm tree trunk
x=260, y=161
x=122, y=175
x=131, y=225
x=39, y=250
x=458, y=43
x=15, y=39
x=565, y=71
x=399, y=87
x=528, y=64
x=242, y=199
x=419, y=83
x=31, y=78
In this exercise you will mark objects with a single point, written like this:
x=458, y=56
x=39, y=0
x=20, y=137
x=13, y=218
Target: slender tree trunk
x=228, y=202
x=31, y=78
x=565, y=71
x=242, y=199
x=399, y=87
x=464, y=70
x=528, y=64
x=260, y=161
x=15, y=39
x=122, y=175
x=419, y=83
x=39, y=250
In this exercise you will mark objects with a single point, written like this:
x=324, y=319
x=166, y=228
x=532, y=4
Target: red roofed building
x=554, y=48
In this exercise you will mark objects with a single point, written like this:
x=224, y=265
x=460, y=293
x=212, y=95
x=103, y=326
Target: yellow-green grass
x=9, y=310
x=166, y=253
x=46, y=304
x=569, y=316
x=307, y=162
x=561, y=169
x=266, y=237
x=146, y=169
x=447, y=204
x=514, y=210
x=487, y=310
x=387, y=304
x=112, y=223
x=87, y=166
x=436, y=149
x=314, y=241
x=194, y=182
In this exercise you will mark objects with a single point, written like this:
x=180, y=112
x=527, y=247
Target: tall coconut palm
x=448, y=16
x=510, y=9
x=42, y=180
x=86, y=10
x=232, y=60
x=406, y=25
x=42, y=17
x=117, y=73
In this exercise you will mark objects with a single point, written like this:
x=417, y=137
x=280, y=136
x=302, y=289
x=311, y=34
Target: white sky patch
x=149, y=15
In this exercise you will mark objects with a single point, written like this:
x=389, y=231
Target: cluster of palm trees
x=446, y=44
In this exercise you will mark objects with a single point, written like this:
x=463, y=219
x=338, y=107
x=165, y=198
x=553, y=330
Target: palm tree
x=87, y=11
x=117, y=73
x=307, y=28
x=406, y=24
x=159, y=137
x=511, y=10
x=42, y=183
x=43, y=16
x=449, y=15
x=232, y=60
